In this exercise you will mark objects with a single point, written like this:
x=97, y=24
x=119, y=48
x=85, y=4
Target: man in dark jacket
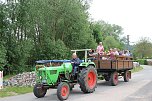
x=75, y=62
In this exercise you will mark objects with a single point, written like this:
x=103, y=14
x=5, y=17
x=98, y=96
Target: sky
x=135, y=16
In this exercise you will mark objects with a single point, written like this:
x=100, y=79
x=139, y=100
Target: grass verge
x=137, y=69
x=11, y=91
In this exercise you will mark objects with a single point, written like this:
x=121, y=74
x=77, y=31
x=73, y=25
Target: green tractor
x=58, y=74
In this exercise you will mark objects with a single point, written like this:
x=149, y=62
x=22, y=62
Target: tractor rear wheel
x=63, y=91
x=126, y=76
x=39, y=91
x=88, y=79
x=114, y=78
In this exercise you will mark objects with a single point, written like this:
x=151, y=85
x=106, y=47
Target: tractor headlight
x=44, y=81
x=40, y=77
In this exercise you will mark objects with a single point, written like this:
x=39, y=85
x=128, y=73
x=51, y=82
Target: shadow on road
x=107, y=83
x=53, y=96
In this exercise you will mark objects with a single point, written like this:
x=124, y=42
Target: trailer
x=110, y=70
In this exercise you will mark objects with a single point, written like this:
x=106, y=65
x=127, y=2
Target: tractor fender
x=86, y=64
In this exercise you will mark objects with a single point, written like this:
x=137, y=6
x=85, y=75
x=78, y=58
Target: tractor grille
x=42, y=74
x=53, y=72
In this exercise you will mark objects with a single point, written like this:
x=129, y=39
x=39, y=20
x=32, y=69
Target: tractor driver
x=75, y=63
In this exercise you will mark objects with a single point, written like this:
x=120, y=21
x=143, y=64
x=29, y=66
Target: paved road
x=138, y=89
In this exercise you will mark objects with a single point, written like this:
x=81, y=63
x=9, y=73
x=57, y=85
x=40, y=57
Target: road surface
x=138, y=89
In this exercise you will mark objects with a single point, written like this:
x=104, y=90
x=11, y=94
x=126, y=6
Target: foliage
x=48, y=29
x=142, y=61
x=143, y=48
x=7, y=77
x=137, y=69
x=110, y=42
x=2, y=55
x=1, y=68
x=105, y=32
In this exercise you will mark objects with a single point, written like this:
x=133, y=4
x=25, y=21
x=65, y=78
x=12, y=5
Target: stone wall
x=24, y=79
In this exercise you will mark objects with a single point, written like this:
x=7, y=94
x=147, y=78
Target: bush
x=1, y=68
x=142, y=61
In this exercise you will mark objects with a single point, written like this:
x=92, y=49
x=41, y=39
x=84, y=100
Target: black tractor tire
x=71, y=87
x=114, y=78
x=126, y=76
x=88, y=79
x=39, y=91
x=63, y=91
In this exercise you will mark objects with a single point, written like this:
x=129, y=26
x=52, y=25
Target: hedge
x=142, y=61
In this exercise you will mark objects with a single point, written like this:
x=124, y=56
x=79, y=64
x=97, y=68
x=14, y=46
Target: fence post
x=1, y=79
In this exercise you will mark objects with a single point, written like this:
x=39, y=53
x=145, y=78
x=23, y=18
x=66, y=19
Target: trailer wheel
x=114, y=78
x=126, y=76
x=88, y=79
x=63, y=91
x=39, y=91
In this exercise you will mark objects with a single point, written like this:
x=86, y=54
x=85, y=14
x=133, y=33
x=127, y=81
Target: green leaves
x=143, y=48
x=2, y=55
x=109, y=34
x=48, y=29
x=111, y=42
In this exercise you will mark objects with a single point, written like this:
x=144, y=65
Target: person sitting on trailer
x=111, y=54
x=100, y=50
x=91, y=54
x=120, y=52
x=115, y=51
x=130, y=53
x=75, y=63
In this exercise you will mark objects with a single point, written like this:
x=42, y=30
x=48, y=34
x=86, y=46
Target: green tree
x=110, y=42
x=54, y=21
x=107, y=33
x=143, y=48
x=3, y=26
x=3, y=60
x=48, y=29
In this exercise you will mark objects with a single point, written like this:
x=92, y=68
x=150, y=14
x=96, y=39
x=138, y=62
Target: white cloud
x=133, y=15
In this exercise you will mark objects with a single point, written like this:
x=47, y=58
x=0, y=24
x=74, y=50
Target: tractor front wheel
x=63, y=91
x=39, y=91
x=88, y=79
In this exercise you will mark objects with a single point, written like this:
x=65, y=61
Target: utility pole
x=128, y=41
